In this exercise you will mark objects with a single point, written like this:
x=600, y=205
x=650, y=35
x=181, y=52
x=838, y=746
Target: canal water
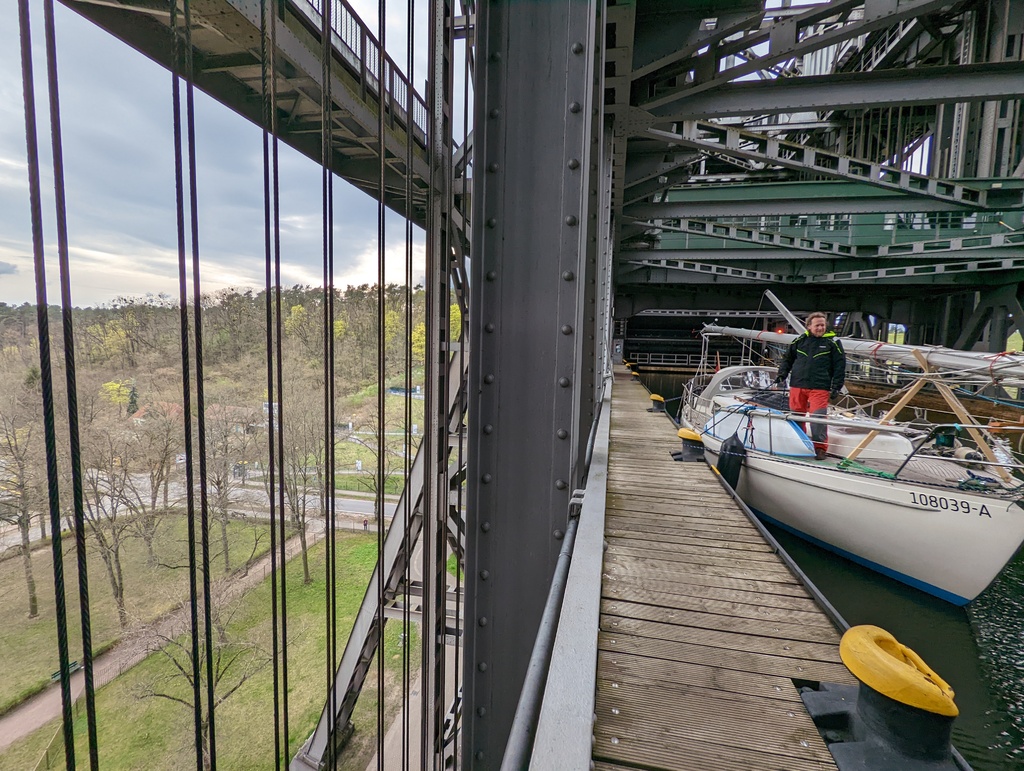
x=978, y=650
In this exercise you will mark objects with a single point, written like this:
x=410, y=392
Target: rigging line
x=204, y=507
x=186, y=389
x=329, y=490
x=279, y=374
x=381, y=373
x=269, y=207
x=46, y=378
x=71, y=380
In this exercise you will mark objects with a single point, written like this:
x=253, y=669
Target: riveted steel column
x=534, y=101
x=590, y=318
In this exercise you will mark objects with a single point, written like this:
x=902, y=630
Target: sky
x=119, y=176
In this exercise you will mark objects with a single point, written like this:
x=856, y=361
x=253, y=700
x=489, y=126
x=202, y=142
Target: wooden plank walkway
x=703, y=628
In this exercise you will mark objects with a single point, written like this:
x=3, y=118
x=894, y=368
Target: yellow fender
x=878, y=660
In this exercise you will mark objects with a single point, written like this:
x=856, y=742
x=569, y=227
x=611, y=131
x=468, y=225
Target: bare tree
x=233, y=662
x=107, y=484
x=305, y=474
x=230, y=442
x=20, y=487
x=154, y=435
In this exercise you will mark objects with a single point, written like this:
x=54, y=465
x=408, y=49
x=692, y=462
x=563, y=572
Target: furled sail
x=970, y=366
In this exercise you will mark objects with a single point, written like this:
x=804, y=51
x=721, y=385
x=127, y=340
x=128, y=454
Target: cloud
x=119, y=176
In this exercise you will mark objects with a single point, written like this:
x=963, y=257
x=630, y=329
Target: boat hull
x=949, y=543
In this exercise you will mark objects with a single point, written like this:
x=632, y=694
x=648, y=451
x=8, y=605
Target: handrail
x=361, y=50
x=543, y=724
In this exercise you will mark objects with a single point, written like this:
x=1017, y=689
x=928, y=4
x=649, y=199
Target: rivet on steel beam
x=492, y=222
x=562, y=433
x=564, y=382
x=489, y=327
x=485, y=574
x=574, y=163
x=571, y=220
x=559, y=535
x=482, y=621
x=491, y=275
x=560, y=484
x=495, y=112
x=486, y=478
x=575, y=107
x=492, y=167
x=485, y=526
x=577, y=48
x=482, y=666
x=566, y=329
x=568, y=275
x=488, y=379
x=481, y=711
x=496, y=56
x=480, y=755
x=488, y=428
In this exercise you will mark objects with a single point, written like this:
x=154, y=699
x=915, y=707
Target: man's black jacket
x=815, y=362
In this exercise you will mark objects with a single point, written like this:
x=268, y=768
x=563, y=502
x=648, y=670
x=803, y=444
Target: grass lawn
x=30, y=645
x=159, y=733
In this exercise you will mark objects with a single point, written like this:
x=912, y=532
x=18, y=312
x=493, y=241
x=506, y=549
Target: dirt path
x=46, y=706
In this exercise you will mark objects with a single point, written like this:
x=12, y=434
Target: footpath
x=135, y=646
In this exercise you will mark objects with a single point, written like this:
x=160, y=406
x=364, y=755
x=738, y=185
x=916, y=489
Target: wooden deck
x=703, y=628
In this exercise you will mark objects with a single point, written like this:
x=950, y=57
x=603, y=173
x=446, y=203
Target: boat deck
x=704, y=631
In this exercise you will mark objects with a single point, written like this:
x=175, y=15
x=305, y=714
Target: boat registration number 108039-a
x=949, y=504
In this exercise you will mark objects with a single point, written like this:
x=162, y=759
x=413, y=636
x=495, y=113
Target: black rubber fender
x=730, y=460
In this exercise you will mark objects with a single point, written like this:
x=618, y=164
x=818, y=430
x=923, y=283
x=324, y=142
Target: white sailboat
x=937, y=507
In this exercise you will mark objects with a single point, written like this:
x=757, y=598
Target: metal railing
x=359, y=48
x=553, y=723
x=682, y=359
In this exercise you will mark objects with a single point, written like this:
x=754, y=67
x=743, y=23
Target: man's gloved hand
x=778, y=381
x=834, y=394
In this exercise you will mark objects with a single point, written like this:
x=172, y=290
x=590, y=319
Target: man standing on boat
x=816, y=366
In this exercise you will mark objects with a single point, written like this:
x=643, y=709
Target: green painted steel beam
x=755, y=146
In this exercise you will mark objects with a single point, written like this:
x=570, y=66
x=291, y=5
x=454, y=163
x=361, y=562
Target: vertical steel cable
x=379, y=486
x=186, y=389
x=428, y=645
x=410, y=128
x=270, y=235
x=46, y=378
x=327, y=181
x=197, y=312
x=71, y=379
x=279, y=375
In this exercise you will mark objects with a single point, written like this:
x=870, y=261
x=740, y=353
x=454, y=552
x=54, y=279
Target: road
x=248, y=502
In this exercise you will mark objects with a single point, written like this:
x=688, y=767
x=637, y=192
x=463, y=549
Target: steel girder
x=849, y=91
x=787, y=39
x=760, y=147
x=226, y=47
x=533, y=143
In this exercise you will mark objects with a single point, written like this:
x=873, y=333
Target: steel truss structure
x=865, y=156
